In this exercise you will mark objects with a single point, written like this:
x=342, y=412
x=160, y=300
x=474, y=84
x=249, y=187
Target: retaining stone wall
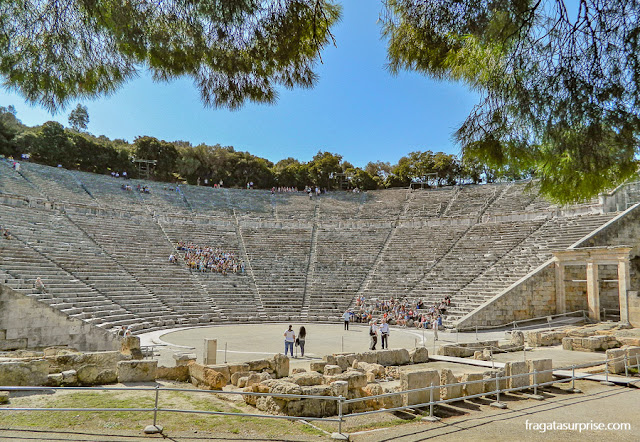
x=27, y=323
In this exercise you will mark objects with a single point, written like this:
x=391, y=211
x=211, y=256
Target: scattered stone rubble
x=590, y=338
x=350, y=375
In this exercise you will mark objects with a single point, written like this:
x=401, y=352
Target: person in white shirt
x=434, y=324
x=289, y=339
x=346, y=317
x=373, y=332
x=384, y=333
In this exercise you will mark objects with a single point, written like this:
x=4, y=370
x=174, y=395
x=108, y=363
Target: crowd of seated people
x=401, y=312
x=209, y=259
x=283, y=189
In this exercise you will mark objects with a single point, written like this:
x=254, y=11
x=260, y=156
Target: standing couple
x=290, y=339
x=383, y=328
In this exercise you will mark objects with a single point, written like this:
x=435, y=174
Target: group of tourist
x=209, y=259
x=118, y=175
x=139, y=188
x=401, y=312
x=283, y=190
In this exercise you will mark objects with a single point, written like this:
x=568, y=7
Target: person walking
x=434, y=324
x=384, y=334
x=346, y=317
x=373, y=333
x=302, y=336
x=289, y=339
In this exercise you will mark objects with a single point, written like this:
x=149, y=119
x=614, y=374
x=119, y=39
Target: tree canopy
x=559, y=82
x=53, y=52
x=79, y=117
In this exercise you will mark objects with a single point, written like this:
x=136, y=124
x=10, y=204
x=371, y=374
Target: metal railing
x=501, y=387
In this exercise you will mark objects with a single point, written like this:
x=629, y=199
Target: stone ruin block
x=490, y=380
x=419, y=355
x=317, y=366
x=259, y=365
x=475, y=388
x=184, y=359
x=4, y=397
x=332, y=370
x=234, y=368
x=633, y=355
x=206, y=377
x=256, y=378
x=178, y=373
x=343, y=362
x=449, y=391
x=130, y=345
x=307, y=379
x=240, y=374
x=355, y=379
x=103, y=360
x=399, y=356
x=91, y=374
x=370, y=357
x=540, y=365
x=137, y=371
x=517, y=338
x=517, y=368
x=410, y=380
x=54, y=380
x=280, y=366
x=615, y=360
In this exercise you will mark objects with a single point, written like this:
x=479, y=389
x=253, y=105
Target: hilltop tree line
x=179, y=161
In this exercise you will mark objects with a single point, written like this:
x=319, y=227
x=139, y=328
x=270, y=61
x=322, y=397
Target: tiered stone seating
x=13, y=183
x=343, y=259
x=304, y=258
x=279, y=259
x=252, y=203
x=555, y=234
x=428, y=203
x=409, y=255
x=140, y=246
x=480, y=248
x=340, y=205
x=385, y=204
x=163, y=197
x=67, y=246
x=108, y=193
x=232, y=293
x=56, y=183
x=294, y=205
x=208, y=201
x=64, y=291
x=469, y=200
x=516, y=199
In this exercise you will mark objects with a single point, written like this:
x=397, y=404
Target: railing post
x=476, y=332
x=340, y=399
x=573, y=377
x=154, y=429
x=431, y=401
x=497, y=403
x=535, y=381
x=626, y=369
x=155, y=406
x=606, y=372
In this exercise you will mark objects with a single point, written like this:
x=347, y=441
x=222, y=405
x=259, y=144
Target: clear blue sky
x=357, y=109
